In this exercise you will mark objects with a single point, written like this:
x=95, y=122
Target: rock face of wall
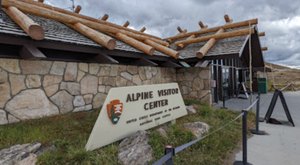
x=34, y=89
x=195, y=83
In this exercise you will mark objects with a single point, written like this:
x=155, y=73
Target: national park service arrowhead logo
x=114, y=110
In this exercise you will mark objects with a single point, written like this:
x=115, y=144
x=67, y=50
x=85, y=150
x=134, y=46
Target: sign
x=129, y=109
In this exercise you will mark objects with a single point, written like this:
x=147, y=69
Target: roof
x=68, y=41
x=222, y=47
x=56, y=31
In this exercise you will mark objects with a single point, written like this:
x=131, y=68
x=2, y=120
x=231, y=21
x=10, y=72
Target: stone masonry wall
x=34, y=89
x=195, y=84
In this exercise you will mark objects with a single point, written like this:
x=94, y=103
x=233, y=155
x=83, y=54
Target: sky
x=280, y=19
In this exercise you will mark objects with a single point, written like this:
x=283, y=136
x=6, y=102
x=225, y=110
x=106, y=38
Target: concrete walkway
x=282, y=145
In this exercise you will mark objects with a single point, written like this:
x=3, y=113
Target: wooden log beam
x=202, y=26
x=126, y=24
x=71, y=19
x=261, y=34
x=230, y=34
x=143, y=29
x=208, y=45
x=135, y=43
x=163, y=49
x=98, y=37
x=214, y=29
x=227, y=19
x=181, y=46
x=264, y=49
x=34, y=30
x=31, y=52
x=104, y=17
x=77, y=9
x=45, y=6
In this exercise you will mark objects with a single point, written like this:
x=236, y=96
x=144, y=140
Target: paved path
x=282, y=145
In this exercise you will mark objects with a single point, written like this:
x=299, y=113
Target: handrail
x=167, y=158
x=180, y=148
x=251, y=106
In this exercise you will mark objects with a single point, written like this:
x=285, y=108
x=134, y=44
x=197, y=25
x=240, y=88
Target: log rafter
x=56, y=9
x=208, y=45
x=98, y=37
x=235, y=33
x=214, y=29
x=80, y=23
x=211, y=42
x=34, y=30
x=86, y=27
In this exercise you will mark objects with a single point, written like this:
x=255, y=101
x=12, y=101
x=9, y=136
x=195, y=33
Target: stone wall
x=195, y=83
x=34, y=89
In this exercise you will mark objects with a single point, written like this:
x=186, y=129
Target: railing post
x=223, y=91
x=256, y=131
x=244, y=141
x=169, y=149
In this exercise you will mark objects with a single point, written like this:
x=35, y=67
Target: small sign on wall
x=129, y=109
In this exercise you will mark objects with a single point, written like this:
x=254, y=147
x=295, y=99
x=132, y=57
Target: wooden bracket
x=31, y=52
x=144, y=62
x=103, y=58
x=171, y=64
x=185, y=64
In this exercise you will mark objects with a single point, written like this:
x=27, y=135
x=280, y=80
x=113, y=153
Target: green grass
x=69, y=134
x=215, y=149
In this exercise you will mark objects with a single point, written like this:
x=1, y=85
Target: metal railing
x=170, y=151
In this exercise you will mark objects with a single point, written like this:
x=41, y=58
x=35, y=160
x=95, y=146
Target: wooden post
x=202, y=26
x=235, y=33
x=214, y=29
x=227, y=19
x=52, y=8
x=104, y=17
x=77, y=9
x=126, y=24
x=163, y=49
x=143, y=29
x=98, y=37
x=34, y=30
x=208, y=45
x=135, y=43
x=70, y=19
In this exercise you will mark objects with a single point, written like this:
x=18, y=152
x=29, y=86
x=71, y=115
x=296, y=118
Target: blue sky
x=279, y=19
